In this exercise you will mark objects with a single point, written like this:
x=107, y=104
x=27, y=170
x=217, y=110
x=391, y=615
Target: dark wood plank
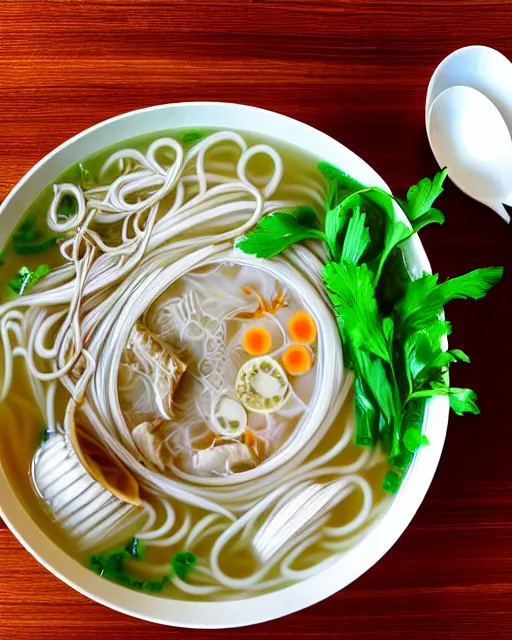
x=357, y=70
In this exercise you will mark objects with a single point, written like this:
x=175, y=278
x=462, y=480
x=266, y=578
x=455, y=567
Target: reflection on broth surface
x=175, y=412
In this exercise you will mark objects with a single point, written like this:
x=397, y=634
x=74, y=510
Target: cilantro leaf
x=421, y=196
x=275, y=232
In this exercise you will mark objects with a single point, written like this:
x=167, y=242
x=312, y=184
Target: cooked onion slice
x=99, y=463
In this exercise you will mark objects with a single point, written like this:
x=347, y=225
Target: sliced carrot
x=302, y=328
x=250, y=438
x=297, y=359
x=257, y=341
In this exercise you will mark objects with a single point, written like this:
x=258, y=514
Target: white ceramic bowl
x=405, y=504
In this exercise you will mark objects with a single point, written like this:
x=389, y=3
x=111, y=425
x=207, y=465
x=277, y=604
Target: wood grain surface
x=357, y=70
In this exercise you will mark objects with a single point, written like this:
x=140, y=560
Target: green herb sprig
x=391, y=325
x=112, y=566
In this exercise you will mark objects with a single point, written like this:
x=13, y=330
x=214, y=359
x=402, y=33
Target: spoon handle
x=500, y=209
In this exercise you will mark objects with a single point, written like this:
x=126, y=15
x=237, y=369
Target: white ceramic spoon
x=480, y=68
x=469, y=136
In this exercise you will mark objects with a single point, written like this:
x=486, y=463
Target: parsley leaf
x=357, y=237
x=424, y=299
x=461, y=400
x=350, y=288
x=276, y=232
x=421, y=196
x=434, y=216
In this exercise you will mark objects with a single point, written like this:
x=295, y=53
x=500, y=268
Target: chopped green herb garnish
x=390, y=325
x=192, y=136
x=26, y=278
x=183, y=563
x=112, y=566
x=36, y=247
x=392, y=481
x=136, y=548
x=29, y=240
x=86, y=179
x=67, y=208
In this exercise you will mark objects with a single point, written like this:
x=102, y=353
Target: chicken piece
x=149, y=438
x=148, y=376
x=223, y=460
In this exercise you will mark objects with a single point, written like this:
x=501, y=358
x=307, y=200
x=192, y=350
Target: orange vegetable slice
x=257, y=341
x=297, y=359
x=250, y=438
x=302, y=328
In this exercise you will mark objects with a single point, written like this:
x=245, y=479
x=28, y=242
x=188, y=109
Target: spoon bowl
x=480, y=68
x=469, y=136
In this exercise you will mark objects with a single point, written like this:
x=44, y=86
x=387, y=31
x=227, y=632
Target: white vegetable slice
x=261, y=385
x=229, y=417
x=88, y=513
x=223, y=460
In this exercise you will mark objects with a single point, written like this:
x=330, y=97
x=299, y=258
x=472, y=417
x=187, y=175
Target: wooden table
x=357, y=70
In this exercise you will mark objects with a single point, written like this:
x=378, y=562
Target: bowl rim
x=352, y=564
